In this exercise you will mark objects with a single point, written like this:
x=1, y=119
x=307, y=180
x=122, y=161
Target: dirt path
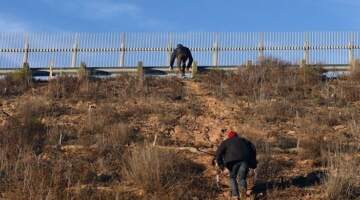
x=217, y=115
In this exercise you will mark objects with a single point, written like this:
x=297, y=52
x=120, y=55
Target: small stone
x=291, y=132
x=339, y=127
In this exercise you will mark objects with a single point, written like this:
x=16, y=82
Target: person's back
x=238, y=155
x=182, y=54
x=236, y=149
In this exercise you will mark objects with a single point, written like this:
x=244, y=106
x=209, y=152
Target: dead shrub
x=354, y=129
x=83, y=72
x=350, y=92
x=312, y=75
x=313, y=147
x=117, y=136
x=124, y=87
x=276, y=111
x=355, y=73
x=26, y=126
x=286, y=142
x=194, y=107
x=168, y=118
x=270, y=78
x=97, y=122
x=270, y=168
x=61, y=134
x=266, y=80
x=16, y=83
x=215, y=82
x=169, y=88
x=332, y=117
x=64, y=87
x=159, y=171
x=343, y=178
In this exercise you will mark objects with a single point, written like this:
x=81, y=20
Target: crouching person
x=238, y=155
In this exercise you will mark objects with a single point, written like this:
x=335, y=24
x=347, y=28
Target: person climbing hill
x=238, y=155
x=183, y=57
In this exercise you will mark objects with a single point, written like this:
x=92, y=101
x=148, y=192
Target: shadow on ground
x=309, y=180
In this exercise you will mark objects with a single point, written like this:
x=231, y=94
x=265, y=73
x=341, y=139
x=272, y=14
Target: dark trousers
x=181, y=64
x=238, y=170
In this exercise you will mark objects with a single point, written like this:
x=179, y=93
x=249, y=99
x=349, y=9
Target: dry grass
x=269, y=79
x=269, y=167
x=313, y=147
x=276, y=111
x=25, y=127
x=215, y=82
x=343, y=179
x=16, y=83
x=163, y=173
x=283, y=104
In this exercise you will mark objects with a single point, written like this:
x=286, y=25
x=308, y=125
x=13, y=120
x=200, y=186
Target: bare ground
x=194, y=117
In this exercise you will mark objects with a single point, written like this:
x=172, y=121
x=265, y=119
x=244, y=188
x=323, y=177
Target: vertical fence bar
x=215, y=51
x=26, y=49
x=212, y=49
x=169, y=48
x=122, y=50
x=74, y=52
x=306, y=49
x=350, y=48
x=261, y=47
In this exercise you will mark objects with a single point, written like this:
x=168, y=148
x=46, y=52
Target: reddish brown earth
x=290, y=164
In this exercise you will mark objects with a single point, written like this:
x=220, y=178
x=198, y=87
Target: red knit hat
x=231, y=134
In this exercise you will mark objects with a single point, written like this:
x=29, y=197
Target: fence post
x=26, y=50
x=261, y=48
x=122, y=51
x=303, y=63
x=140, y=70
x=194, y=68
x=169, y=50
x=215, y=52
x=351, y=54
x=249, y=63
x=74, y=52
x=306, y=51
x=51, y=66
x=351, y=57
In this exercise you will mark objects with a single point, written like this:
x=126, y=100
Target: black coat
x=182, y=54
x=236, y=149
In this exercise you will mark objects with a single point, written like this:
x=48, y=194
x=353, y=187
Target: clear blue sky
x=178, y=15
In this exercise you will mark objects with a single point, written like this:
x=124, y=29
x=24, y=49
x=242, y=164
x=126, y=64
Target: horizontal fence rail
x=154, y=49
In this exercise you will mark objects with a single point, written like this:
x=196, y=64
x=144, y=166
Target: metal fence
x=154, y=49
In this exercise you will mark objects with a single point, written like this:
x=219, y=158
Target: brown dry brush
x=22, y=139
x=31, y=173
x=122, y=87
x=166, y=174
x=25, y=127
x=269, y=79
x=343, y=176
x=16, y=83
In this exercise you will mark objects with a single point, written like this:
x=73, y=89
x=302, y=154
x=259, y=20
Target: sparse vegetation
x=158, y=171
x=343, y=181
x=16, y=83
x=77, y=137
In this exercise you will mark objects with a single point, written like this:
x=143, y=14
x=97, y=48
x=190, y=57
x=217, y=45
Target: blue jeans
x=238, y=170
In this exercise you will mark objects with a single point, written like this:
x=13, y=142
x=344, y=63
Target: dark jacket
x=183, y=54
x=234, y=150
